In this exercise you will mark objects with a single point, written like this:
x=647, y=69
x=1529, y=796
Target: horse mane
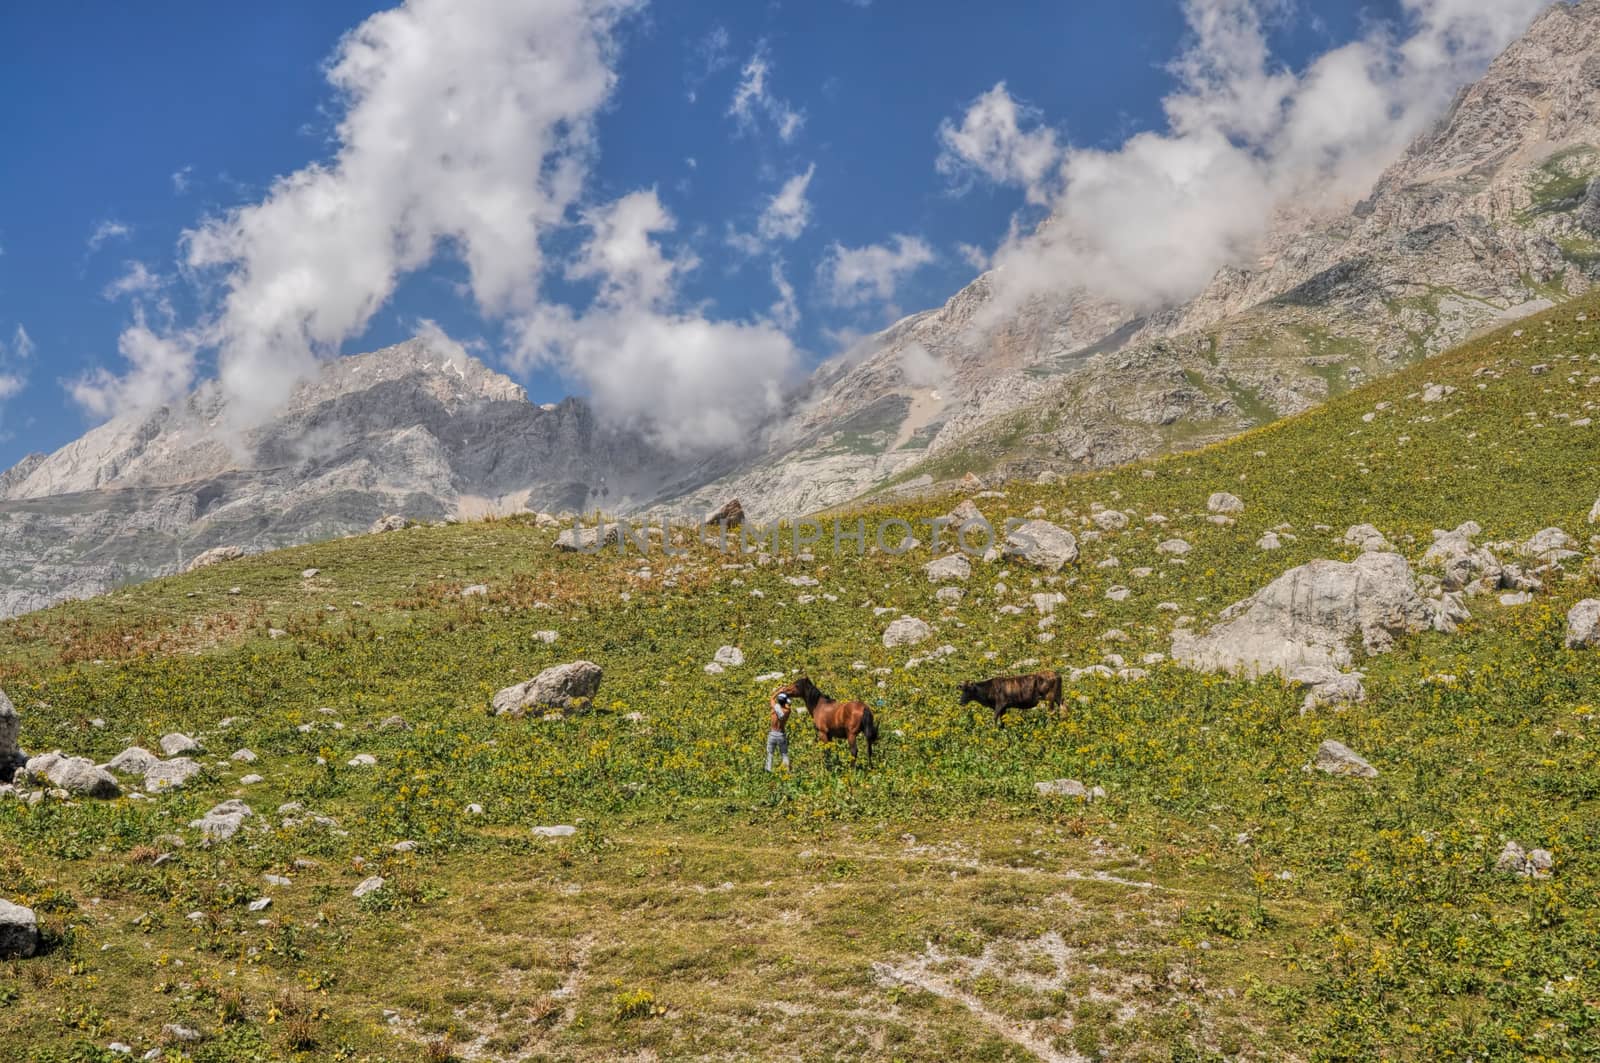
x=809, y=693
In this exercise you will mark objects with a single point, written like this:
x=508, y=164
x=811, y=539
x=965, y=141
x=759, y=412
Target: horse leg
x=852, y=734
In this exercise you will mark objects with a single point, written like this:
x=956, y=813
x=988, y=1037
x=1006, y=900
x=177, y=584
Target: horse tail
x=869, y=726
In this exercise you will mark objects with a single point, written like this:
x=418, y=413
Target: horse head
x=970, y=692
x=807, y=692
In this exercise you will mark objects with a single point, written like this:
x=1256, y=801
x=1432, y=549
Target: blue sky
x=128, y=125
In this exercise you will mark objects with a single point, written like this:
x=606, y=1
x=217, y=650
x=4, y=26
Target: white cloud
x=710, y=54
x=136, y=279
x=753, y=102
x=785, y=312
x=12, y=379
x=789, y=211
x=991, y=142
x=694, y=383
x=465, y=128
x=161, y=366
x=182, y=178
x=109, y=229
x=785, y=216
x=1148, y=224
x=857, y=275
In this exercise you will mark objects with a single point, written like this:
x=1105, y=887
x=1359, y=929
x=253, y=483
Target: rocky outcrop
x=906, y=631
x=217, y=555
x=1336, y=758
x=1310, y=616
x=79, y=776
x=223, y=821
x=568, y=687
x=1466, y=229
x=408, y=432
x=1042, y=545
x=1583, y=625
x=10, y=729
x=730, y=514
x=19, y=931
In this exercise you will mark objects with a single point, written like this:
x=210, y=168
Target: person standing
x=777, y=739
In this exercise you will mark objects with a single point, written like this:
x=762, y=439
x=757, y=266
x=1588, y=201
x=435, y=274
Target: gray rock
x=588, y=538
x=176, y=743
x=949, y=595
x=175, y=1032
x=564, y=686
x=1549, y=545
x=387, y=523
x=79, y=776
x=19, y=931
x=1110, y=520
x=1368, y=539
x=476, y=590
x=1583, y=625
x=1068, y=788
x=729, y=657
x=169, y=774
x=1222, y=502
x=1269, y=541
x=730, y=513
x=133, y=761
x=243, y=756
x=1335, y=758
x=1514, y=860
x=1461, y=562
x=215, y=556
x=906, y=631
x=954, y=568
x=1594, y=512
x=1328, y=687
x=223, y=821
x=560, y=831
x=1309, y=616
x=10, y=727
x=367, y=885
x=1173, y=547
x=1042, y=545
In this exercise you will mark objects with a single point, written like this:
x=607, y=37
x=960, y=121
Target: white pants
x=779, y=741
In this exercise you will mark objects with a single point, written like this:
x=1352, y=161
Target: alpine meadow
x=410, y=718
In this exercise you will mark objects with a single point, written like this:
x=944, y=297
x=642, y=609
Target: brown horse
x=836, y=719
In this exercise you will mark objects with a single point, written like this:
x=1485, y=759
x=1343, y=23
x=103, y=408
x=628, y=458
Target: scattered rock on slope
x=1042, y=545
x=387, y=523
x=1309, y=615
x=730, y=513
x=223, y=821
x=1368, y=539
x=215, y=556
x=1223, y=503
x=76, y=775
x=134, y=760
x=907, y=631
x=945, y=569
x=1336, y=758
x=1583, y=625
x=564, y=686
x=19, y=931
x=1550, y=546
x=10, y=727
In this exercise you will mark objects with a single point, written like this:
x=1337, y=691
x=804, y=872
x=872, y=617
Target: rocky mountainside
x=1492, y=215
x=407, y=430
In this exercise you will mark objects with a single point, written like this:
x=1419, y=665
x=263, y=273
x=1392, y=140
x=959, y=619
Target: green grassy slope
x=1220, y=902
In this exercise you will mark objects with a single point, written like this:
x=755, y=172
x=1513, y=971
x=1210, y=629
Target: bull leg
x=999, y=713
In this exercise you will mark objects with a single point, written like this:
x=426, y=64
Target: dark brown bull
x=836, y=719
x=1014, y=692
